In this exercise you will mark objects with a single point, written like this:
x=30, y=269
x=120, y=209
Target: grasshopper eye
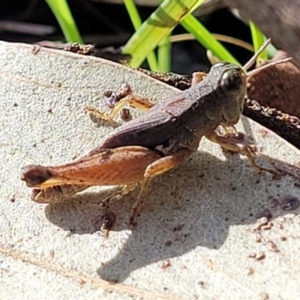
x=232, y=79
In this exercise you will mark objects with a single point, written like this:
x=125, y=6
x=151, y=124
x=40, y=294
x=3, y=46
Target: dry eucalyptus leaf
x=200, y=217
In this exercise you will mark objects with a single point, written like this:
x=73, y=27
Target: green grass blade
x=164, y=55
x=157, y=27
x=133, y=13
x=258, y=39
x=192, y=25
x=137, y=22
x=65, y=19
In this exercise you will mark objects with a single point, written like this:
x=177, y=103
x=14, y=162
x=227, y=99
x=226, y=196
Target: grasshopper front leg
x=236, y=144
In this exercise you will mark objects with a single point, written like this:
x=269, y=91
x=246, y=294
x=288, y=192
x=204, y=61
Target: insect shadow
x=192, y=206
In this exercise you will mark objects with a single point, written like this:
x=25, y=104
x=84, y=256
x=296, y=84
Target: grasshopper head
x=232, y=84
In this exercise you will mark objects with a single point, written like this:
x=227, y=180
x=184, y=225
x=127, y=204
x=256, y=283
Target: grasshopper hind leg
x=158, y=167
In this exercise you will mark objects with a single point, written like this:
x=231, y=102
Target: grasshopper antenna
x=252, y=60
x=273, y=63
x=254, y=57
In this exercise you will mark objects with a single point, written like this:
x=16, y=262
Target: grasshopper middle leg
x=105, y=203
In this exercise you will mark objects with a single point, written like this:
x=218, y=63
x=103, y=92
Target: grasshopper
x=157, y=141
